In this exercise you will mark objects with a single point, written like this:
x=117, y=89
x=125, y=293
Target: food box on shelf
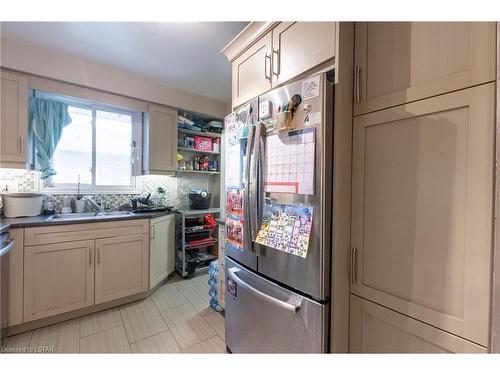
x=203, y=143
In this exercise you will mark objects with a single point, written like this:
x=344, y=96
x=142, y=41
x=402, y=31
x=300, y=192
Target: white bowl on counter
x=22, y=204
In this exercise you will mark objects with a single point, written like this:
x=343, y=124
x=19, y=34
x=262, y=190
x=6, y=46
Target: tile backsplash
x=29, y=181
x=19, y=180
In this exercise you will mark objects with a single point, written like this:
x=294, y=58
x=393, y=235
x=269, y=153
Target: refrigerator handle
x=254, y=184
x=258, y=190
x=293, y=307
x=246, y=192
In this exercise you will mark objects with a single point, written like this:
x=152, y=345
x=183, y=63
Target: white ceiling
x=183, y=55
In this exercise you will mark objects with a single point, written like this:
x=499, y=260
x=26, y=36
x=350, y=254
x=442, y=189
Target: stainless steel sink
x=114, y=213
x=89, y=215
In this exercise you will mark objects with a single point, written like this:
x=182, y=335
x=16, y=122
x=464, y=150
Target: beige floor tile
x=216, y=321
x=63, y=337
x=142, y=320
x=168, y=296
x=187, y=325
x=113, y=340
x=198, y=280
x=210, y=346
x=175, y=278
x=197, y=297
x=18, y=343
x=163, y=342
x=99, y=322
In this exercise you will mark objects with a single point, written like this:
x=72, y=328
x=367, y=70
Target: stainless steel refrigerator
x=275, y=301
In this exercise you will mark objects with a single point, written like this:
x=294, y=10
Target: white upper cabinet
x=252, y=71
x=280, y=53
x=300, y=46
x=160, y=141
x=422, y=190
x=400, y=62
x=13, y=120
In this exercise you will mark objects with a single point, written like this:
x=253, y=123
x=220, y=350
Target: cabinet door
x=170, y=229
x=122, y=265
x=252, y=71
x=300, y=46
x=400, y=62
x=422, y=209
x=375, y=329
x=158, y=245
x=15, y=260
x=13, y=120
x=58, y=278
x=160, y=141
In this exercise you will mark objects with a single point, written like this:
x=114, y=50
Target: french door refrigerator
x=276, y=301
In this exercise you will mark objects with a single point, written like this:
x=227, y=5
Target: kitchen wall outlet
x=265, y=110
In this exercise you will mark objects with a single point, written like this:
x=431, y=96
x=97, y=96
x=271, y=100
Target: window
x=96, y=147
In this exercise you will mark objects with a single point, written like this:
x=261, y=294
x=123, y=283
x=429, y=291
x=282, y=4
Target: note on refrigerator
x=233, y=151
x=290, y=162
x=286, y=228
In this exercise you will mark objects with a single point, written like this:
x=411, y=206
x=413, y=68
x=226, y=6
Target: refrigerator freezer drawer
x=262, y=317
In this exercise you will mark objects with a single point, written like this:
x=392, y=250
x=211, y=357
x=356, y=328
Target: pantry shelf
x=191, y=227
x=203, y=245
x=185, y=149
x=193, y=171
x=201, y=134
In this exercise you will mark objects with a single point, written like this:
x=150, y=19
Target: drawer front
x=256, y=308
x=79, y=232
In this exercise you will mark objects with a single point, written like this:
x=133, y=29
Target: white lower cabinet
x=161, y=249
x=58, y=278
x=376, y=329
x=422, y=188
x=70, y=267
x=121, y=267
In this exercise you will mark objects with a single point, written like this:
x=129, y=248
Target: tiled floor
x=174, y=319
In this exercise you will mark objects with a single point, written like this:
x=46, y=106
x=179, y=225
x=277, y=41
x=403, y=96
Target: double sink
x=89, y=215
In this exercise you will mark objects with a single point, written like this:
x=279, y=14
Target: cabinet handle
x=98, y=256
x=276, y=58
x=357, y=79
x=21, y=145
x=354, y=266
x=268, y=77
x=90, y=258
x=153, y=231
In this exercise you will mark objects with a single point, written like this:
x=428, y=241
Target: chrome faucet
x=99, y=207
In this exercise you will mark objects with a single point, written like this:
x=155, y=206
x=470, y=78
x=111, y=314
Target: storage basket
x=198, y=202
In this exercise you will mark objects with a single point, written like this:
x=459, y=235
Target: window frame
x=50, y=187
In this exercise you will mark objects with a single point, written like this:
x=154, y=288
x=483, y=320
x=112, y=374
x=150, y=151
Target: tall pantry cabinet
x=422, y=187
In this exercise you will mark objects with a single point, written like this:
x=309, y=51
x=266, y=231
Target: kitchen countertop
x=38, y=221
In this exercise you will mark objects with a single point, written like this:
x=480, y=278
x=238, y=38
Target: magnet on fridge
x=231, y=286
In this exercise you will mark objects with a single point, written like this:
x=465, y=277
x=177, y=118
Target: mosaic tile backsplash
x=29, y=181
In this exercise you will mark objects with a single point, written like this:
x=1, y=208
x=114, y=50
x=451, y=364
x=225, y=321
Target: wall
x=19, y=180
x=176, y=188
x=69, y=68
